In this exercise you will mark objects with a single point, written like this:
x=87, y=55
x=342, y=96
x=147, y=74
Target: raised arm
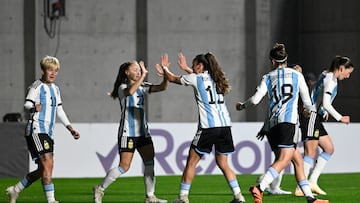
x=163, y=85
x=182, y=63
x=136, y=85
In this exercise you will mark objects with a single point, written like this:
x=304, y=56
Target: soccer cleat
x=55, y=201
x=316, y=189
x=321, y=201
x=298, y=192
x=256, y=193
x=277, y=191
x=98, y=194
x=182, y=199
x=154, y=199
x=239, y=198
x=13, y=195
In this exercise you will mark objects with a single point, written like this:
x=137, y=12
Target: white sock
x=184, y=188
x=305, y=188
x=21, y=185
x=234, y=186
x=269, y=177
x=277, y=181
x=111, y=176
x=319, y=166
x=149, y=178
x=308, y=163
x=49, y=192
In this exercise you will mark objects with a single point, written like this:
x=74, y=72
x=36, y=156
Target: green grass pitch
x=341, y=188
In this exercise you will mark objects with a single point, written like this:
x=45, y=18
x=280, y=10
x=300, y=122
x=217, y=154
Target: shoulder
x=191, y=75
x=189, y=78
x=36, y=84
x=329, y=77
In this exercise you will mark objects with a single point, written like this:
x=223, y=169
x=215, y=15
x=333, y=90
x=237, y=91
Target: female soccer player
x=131, y=89
x=283, y=86
x=208, y=80
x=43, y=101
x=313, y=131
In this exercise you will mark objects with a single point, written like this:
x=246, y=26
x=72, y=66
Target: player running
x=283, y=86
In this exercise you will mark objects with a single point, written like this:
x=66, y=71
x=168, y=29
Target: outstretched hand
x=182, y=63
x=159, y=70
x=164, y=63
x=143, y=68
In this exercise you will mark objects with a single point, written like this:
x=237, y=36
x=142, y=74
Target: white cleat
x=277, y=191
x=98, y=192
x=299, y=193
x=13, y=195
x=316, y=189
x=154, y=199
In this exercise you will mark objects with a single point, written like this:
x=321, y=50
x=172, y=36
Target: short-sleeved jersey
x=49, y=98
x=283, y=86
x=325, y=90
x=133, y=119
x=211, y=105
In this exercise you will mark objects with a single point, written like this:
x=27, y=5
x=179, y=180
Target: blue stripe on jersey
x=204, y=98
x=43, y=110
x=141, y=107
x=318, y=88
x=290, y=105
x=53, y=108
x=269, y=87
x=131, y=116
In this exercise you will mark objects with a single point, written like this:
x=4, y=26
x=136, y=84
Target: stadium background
x=94, y=37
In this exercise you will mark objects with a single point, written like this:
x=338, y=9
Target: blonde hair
x=49, y=62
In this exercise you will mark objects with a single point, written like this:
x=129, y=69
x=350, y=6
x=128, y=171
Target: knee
x=125, y=167
x=331, y=151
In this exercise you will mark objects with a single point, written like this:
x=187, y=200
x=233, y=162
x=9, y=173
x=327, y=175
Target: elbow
x=28, y=105
x=327, y=106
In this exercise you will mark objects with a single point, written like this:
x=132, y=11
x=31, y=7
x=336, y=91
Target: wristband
x=166, y=68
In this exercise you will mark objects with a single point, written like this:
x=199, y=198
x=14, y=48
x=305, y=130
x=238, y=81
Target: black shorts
x=312, y=127
x=129, y=144
x=283, y=135
x=205, y=139
x=39, y=144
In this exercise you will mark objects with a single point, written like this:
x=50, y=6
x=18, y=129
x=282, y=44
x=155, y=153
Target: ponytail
x=217, y=74
x=120, y=78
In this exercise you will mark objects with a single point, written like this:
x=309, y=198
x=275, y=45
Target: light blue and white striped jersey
x=48, y=95
x=324, y=94
x=283, y=86
x=211, y=105
x=133, y=120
